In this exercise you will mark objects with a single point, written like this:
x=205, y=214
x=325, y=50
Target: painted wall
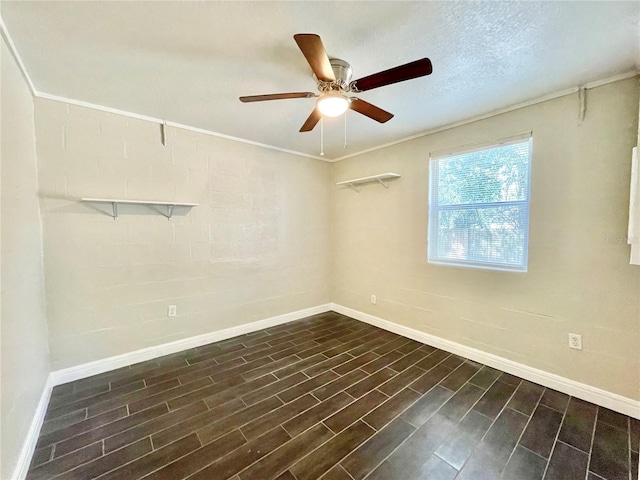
x=579, y=277
x=257, y=245
x=23, y=331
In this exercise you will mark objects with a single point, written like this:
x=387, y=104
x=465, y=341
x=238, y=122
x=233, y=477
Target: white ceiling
x=188, y=62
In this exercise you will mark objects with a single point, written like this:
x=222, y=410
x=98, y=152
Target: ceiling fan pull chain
x=345, y=129
x=322, y=136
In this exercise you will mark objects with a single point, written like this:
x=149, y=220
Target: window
x=479, y=206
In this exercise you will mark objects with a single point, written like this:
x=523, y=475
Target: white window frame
x=433, y=208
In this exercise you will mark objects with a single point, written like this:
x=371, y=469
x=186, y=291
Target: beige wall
x=23, y=332
x=257, y=245
x=579, y=277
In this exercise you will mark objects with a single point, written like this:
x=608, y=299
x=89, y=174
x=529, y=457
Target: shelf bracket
x=114, y=206
x=385, y=185
x=168, y=213
x=354, y=188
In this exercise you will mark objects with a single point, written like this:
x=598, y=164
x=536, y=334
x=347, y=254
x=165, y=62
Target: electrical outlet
x=373, y=299
x=575, y=341
x=171, y=311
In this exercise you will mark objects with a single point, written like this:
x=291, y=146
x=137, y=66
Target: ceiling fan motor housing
x=342, y=71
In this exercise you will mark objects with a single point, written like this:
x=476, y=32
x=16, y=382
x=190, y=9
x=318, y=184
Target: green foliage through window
x=479, y=207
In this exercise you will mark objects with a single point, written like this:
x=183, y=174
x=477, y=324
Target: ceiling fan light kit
x=333, y=78
x=332, y=104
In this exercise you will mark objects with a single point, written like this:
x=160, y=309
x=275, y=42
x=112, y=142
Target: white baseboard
x=29, y=445
x=70, y=374
x=78, y=372
x=591, y=394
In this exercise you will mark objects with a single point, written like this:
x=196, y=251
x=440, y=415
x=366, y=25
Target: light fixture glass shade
x=332, y=104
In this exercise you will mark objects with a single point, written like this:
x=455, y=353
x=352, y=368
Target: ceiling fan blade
x=276, y=96
x=311, y=122
x=314, y=52
x=369, y=110
x=416, y=69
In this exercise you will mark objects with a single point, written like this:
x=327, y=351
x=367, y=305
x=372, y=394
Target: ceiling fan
x=333, y=77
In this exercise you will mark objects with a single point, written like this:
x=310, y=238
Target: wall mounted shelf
x=115, y=201
x=382, y=179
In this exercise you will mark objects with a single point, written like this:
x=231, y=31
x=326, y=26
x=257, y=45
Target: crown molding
x=14, y=52
x=80, y=103
x=181, y=126
x=528, y=103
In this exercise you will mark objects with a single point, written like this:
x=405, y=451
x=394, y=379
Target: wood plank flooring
x=326, y=397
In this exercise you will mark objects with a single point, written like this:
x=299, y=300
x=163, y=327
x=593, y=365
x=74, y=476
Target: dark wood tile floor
x=326, y=397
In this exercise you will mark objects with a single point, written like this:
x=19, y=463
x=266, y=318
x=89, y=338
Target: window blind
x=479, y=207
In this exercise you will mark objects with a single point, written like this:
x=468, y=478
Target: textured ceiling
x=188, y=62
